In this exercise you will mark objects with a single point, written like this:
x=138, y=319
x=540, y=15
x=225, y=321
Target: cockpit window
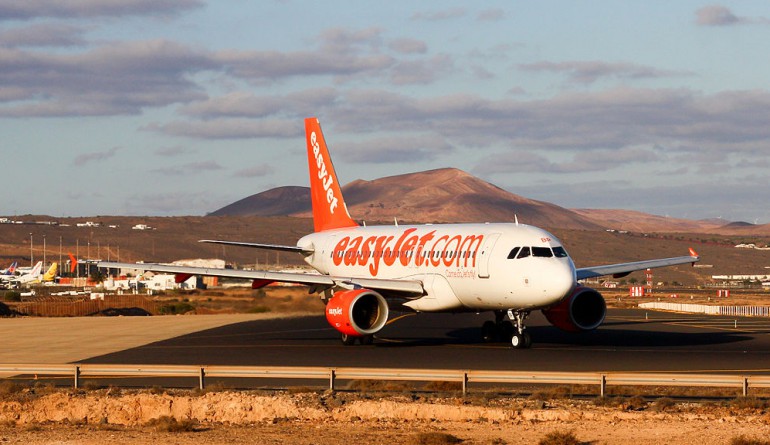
x=524, y=253
x=559, y=252
x=513, y=253
x=542, y=252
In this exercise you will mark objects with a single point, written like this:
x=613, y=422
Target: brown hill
x=279, y=201
x=444, y=195
x=634, y=221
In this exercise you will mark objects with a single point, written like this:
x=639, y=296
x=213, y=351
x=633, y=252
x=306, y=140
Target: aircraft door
x=484, y=254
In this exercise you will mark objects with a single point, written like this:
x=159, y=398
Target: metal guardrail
x=332, y=375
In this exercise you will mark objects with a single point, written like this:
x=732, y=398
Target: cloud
x=718, y=15
x=32, y=9
x=121, y=78
x=176, y=150
x=96, y=156
x=189, y=168
x=435, y=16
x=256, y=171
x=408, y=46
x=587, y=72
x=518, y=161
x=425, y=71
x=491, y=15
x=247, y=104
x=43, y=35
x=232, y=128
x=394, y=149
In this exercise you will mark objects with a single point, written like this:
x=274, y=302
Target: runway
x=630, y=340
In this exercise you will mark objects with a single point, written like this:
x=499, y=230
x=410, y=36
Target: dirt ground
x=49, y=416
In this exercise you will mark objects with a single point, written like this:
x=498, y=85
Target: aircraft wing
x=260, y=246
x=404, y=286
x=623, y=269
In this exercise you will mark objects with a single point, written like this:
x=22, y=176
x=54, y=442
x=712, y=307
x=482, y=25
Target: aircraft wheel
x=527, y=341
x=367, y=339
x=521, y=341
x=348, y=340
x=488, y=331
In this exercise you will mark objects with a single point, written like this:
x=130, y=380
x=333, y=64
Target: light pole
x=44, y=257
x=31, y=255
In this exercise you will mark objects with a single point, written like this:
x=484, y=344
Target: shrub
x=560, y=438
x=743, y=440
x=176, y=308
x=12, y=296
x=168, y=424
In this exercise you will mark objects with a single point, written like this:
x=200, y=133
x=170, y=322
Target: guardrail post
x=331, y=379
x=603, y=386
x=745, y=386
x=77, y=376
x=202, y=378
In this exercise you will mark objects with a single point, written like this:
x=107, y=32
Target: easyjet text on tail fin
x=329, y=210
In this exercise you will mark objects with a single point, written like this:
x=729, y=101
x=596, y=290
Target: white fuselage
x=461, y=266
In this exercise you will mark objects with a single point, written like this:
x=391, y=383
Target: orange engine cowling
x=357, y=312
x=583, y=310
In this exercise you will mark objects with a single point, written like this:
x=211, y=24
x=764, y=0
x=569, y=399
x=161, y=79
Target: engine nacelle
x=357, y=312
x=584, y=310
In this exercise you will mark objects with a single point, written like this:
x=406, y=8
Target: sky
x=180, y=107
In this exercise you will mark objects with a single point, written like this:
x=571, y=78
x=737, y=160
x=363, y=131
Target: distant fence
x=66, y=307
x=736, y=311
x=332, y=375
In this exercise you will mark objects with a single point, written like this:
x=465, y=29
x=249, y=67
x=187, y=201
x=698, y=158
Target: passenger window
x=524, y=252
x=559, y=252
x=542, y=252
x=513, y=253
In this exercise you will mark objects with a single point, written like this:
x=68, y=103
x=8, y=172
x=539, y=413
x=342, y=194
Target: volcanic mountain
x=443, y=195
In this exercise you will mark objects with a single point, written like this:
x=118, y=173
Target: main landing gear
x=349, y=340
x=507, y=330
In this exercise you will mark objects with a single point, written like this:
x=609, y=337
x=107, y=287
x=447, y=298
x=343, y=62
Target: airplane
x=26, y=276
x=509, y=269
x=50, y=274
x=10, y=270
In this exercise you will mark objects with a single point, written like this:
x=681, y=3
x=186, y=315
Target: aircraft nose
x=561, y=281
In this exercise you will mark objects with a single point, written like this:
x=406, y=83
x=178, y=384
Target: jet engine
x=583, y=310
x=357, y=312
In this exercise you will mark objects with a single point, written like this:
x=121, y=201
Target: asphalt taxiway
x=630, y=340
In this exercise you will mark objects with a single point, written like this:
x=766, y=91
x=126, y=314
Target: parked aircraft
x=509, y=269
x=50, y=274
x=10, y=270
x=24, y=277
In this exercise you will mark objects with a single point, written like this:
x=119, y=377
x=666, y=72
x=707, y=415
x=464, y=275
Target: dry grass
x=560, y=438
x=435, y=438
x=743, y=440
x=379, y=386
x=167, y=424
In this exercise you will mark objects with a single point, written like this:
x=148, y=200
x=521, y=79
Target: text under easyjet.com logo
x=323, y=174
x=425, y=250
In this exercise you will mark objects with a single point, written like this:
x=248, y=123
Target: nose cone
x=556, y=280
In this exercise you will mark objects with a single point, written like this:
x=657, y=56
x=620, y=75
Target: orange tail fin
x=329, y=209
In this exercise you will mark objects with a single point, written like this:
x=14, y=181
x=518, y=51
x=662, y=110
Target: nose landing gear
x=507, y=330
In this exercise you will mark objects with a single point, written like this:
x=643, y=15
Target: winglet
x=329, y=209
x=693, y=253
